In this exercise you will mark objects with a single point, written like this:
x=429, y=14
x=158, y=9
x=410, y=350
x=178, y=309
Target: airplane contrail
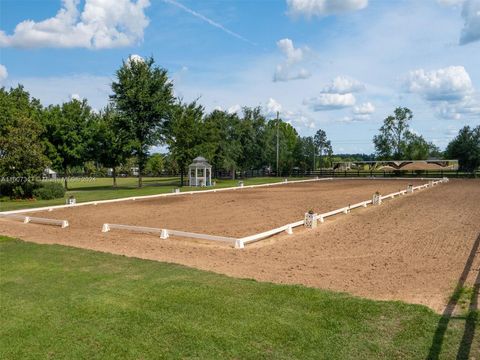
x=209, y=21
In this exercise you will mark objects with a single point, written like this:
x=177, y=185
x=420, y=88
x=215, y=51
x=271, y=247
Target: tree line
x=143, y=112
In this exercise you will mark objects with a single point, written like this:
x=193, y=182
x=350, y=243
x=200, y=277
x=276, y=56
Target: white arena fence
x=37, y=220
x=134, y=198
x=166, y=233
x=239, y=243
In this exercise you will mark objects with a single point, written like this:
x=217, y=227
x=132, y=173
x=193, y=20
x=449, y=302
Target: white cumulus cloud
x=297, y=117
x=283, y=73
x=292, y=54
x=468, y=107
x=327, y=101
x=450, y=83
x=364, y=109
x=448, y=90
x=101, y=24
x=135, y=58
x=288, y=70
x=273, y=106
x=471, y=17
x=310, y=8
x=234, y=109
x=343, y=85
x=360, y=112
x=3, y=73
x=338, y=94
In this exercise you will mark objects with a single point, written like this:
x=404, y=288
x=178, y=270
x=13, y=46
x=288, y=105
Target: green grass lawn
x=102, y=189
x=64, y=303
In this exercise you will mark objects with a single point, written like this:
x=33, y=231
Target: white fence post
x=239, y=244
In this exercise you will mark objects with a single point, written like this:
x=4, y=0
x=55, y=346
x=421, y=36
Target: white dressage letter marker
x=310, y=221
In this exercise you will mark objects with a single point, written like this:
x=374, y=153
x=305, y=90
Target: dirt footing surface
x=412, y=248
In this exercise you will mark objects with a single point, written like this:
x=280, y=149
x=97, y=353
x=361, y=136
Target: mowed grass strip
x=92, y=189
x=64, y=303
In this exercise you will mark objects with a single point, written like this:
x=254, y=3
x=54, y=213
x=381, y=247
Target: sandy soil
x=412, y=248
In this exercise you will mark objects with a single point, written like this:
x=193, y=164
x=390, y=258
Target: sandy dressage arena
x=412, y=248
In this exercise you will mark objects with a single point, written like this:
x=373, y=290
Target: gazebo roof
x=200, y=161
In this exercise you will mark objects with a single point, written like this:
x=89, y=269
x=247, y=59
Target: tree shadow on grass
x=470, y=323
x=447, y=315
x=133, y=186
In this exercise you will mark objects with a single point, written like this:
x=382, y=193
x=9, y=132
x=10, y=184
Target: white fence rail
x=239, y=243
x=36, y=220
x=133, y=198
x=166, y=233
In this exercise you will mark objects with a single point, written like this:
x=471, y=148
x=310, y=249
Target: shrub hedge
x=49, y=191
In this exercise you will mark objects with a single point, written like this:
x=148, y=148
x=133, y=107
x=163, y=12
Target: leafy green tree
x=183, y=134
x=155, y=165
x=435, y=152
x=127, y=167
x=16, y=103
x=252, y=137
x=112, y=144
x=221, y=141
x=288, y=139
x=466, y=148
x=67, y=128
x=143, y=95
x=416, y=147
x=22, y=156
x=170, y=165
x=327, y=154
x=391, y=140
x=322, y=147
x=309, y=152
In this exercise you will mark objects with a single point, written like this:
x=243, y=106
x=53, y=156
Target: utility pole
x=278, y=122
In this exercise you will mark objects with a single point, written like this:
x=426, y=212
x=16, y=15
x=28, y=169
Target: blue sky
x=339, y=65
